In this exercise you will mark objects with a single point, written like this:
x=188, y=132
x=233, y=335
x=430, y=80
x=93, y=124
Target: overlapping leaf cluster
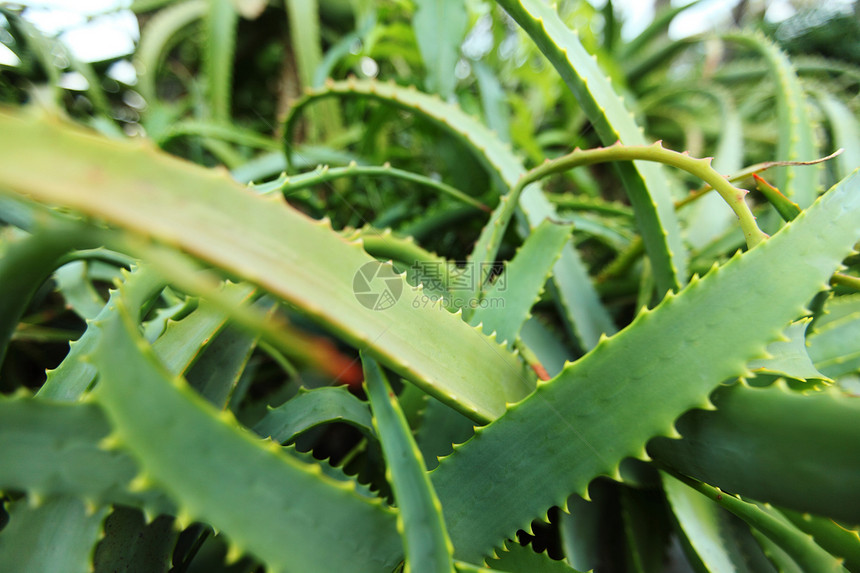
x=480, y=316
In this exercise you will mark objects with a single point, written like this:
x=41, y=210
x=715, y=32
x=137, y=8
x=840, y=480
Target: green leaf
x=796, y=129
x=846, y=132
x=702, y=523
x=425, y=541
x=280, y=509
x=776, y=528
x=228, y=133
x=788, y=357
x=583, y=310
x=833, y=347
x=603, y=229
x=311, y=408
x=707, y=219
x=507, y=303
x=74, y=283
x=839, y=541
x=751, y=446
x=25, y=265
x=547, y=345
x=439, y=29
x=441, y=428
x=646, y=529
x=306, y=43
x=836, y=309
x=53, y=449
x=158, y=36
x=265, y=241
x=606, y=406
x=580, y=530
x=130, y=545
x=58, y=536
x=71, y=379
x=494, y=100
x=216, y=372
x=780, y=558
x=220, y=22
x=183, y=341
x=645, y=183
x=786, y=208
x=304, y=22
x=291, y=183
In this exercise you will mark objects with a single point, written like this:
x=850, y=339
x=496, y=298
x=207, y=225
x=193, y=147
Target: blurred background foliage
x=212, y=80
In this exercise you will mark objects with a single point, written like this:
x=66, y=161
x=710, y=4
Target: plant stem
x=845, y=280
x=749, y=172
x=701, y=168
x=323, y=174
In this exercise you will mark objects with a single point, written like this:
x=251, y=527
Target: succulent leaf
x=272, y=508
x=276, y=257
x=646, y=184
x=425, y=541
x=311, y=408
x=74, y=529
x=666, y=362
x=756, y=439
x=586, y=315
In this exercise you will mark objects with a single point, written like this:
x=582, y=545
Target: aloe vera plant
x=348, y=326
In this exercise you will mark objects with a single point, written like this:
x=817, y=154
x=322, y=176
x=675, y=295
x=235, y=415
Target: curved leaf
x=157, y=37
x=25, y=265
x=846, y=132
x=267, y=242
x=796, y=135
x=281, y=509
x=56, y=536
x=582, y=307
x=425, y=541
x=52, y=449
x=219, y=22
x=768, y=522
x=633, y=386
x=646, y=185
x=789, y=357
x=439, y=29
x=311, y=408
x=751, y=446
x=703, y=524
x=839, y=541
x=507, y=303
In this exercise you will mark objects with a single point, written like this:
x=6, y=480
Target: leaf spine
x=234, y=553
x=35, y=499
x=110, y=443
